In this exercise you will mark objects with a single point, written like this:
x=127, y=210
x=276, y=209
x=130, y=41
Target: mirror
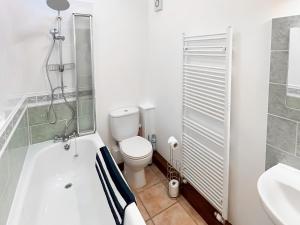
x=293, y=78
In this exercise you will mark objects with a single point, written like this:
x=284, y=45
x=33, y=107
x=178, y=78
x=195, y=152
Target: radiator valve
x=219, y=217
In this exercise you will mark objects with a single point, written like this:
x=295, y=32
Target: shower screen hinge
x=57, y=67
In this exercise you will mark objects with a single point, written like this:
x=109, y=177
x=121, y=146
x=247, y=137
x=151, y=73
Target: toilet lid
x=136, y=147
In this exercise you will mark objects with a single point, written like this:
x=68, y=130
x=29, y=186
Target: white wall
x=128, y=32
x=119, y=48
x=25, y=42
x=251, y=20
x=120, y=39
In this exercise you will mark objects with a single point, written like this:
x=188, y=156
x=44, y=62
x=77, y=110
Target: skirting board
x=121, y=166
x=200, y=204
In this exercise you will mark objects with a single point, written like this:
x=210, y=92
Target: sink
x=279, y=191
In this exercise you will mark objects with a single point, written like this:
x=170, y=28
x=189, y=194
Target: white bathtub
x=42, y=199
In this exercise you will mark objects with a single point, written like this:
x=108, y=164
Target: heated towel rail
x=206, y=115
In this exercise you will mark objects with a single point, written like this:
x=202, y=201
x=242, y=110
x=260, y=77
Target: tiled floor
x=156, y=206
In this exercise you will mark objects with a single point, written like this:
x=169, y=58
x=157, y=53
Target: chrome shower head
x=58, y=5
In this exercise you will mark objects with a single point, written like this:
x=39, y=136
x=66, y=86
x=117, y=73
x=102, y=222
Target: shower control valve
x=53, y=31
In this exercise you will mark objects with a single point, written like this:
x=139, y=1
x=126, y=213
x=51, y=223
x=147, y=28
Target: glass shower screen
x=83, y=51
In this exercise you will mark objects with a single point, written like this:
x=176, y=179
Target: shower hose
x=51, y=109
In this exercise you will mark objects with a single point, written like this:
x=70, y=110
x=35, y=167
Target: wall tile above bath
x=41, y=130
x=11, y=163
x=29, y=125
x=2, y=141
x=38, y=114
x=46, y=132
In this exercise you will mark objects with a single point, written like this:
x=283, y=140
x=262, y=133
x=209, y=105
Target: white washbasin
x=279, y=191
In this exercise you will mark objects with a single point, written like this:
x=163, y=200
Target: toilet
x=136, y=151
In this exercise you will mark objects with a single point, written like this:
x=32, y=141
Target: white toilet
x=136, y=151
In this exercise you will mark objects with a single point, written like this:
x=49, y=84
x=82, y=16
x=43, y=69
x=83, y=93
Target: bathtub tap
x=65, y=138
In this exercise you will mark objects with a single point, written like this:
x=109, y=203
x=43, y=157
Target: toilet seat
x=136, y=148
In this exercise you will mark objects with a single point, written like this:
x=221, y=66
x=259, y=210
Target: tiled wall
x=283, y=137
x=12, y=158
x=39, y=127
x=28, y=126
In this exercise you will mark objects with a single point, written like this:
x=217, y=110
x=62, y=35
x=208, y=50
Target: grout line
x=160, y=182
x=40, y=124
x=164, y=209
x=279, y=50
x=146, y=188
x=175, y=202
x=284, y=118
x=297, y=126
x=30, y=135
x=274, y=83
x=150, y=218
x=144, y=207
x=190, y=214
x=28, y=127
x=282, y=151
x=194, y=219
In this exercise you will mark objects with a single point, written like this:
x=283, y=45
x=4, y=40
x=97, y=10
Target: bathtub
x=59, y=187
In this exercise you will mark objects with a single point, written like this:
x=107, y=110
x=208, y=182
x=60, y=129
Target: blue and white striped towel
x=117, y=192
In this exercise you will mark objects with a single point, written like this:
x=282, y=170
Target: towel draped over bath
x=116, y=190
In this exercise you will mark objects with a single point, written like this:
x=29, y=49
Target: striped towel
x=117, y=192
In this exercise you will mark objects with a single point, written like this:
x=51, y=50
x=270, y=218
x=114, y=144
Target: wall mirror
x=293, y=78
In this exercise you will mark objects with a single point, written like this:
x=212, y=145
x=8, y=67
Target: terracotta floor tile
x=151, y=178
x=175, y=215
x=165, y=183
x=157, y=208
x=149, y=222
x=191, y=211
x=160, y=175
x=154, y=168
x=155, y=199
x=142, y=209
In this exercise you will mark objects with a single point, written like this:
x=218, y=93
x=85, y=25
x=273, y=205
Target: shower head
x=58, y=5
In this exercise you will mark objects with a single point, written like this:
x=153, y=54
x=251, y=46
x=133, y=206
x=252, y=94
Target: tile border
x=25, y=102
x=11, y=123
x=41, y=99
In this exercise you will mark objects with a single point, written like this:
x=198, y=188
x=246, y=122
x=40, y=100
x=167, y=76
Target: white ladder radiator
x=206, y=115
